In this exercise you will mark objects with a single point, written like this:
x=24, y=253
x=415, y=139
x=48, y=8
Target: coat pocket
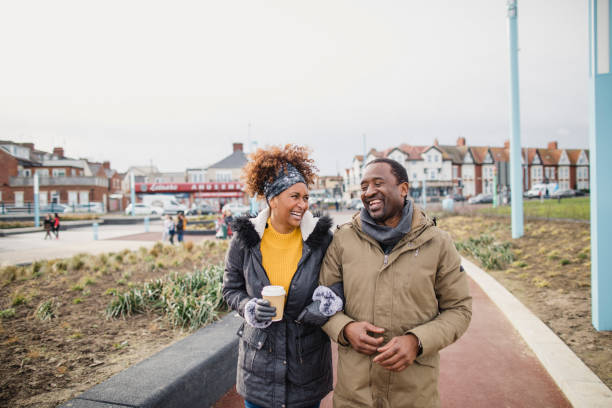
x=252, y=353
x=429, y=361
x=312, y=361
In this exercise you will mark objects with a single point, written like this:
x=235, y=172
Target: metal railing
x=59, y=181
x=28, y=208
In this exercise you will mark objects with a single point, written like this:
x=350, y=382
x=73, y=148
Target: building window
x=222, y=175
x=436, y=158
x=27, y=173
x=42, y=172
x=59, y=172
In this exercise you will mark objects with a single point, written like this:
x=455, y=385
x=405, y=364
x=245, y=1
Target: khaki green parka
x=419, y=288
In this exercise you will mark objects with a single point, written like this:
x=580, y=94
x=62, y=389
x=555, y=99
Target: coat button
x=285, y=362
x=259, y=344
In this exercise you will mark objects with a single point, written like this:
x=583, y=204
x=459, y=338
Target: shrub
x=47, y=310
x=18, y=299
x=491, y=254
x=553, y=255
x=7, y=313
x=76, y=263
x=564, y=262
x=125, y=305
x=77, y=287
x=77, y=300
x=9, y=273
x=187, y=301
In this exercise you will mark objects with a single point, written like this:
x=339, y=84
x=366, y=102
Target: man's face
x=381, y=195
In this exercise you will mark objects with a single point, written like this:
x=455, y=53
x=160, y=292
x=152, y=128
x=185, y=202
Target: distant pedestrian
x=56, y=225
x=228, y=219
x=180, y=226
x=337, y=205
x=48, y=224
x=168, y=233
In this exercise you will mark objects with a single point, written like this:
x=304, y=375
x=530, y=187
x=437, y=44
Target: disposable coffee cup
x=276, y=296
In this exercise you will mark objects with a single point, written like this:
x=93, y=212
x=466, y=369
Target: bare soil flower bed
x=548, y=270
x=46, y=362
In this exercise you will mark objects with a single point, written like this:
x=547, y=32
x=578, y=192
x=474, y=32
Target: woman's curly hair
x=266, y=163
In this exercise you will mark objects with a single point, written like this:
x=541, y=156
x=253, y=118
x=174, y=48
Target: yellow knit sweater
x=280, y=254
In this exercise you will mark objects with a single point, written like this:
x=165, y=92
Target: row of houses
x=66, y=180
x=471, y=170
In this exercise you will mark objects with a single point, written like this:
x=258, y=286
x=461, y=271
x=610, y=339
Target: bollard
x=447, y=204
x=95, y=231
x=146, y=224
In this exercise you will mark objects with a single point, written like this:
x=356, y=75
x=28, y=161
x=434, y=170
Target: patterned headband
x=286, y=177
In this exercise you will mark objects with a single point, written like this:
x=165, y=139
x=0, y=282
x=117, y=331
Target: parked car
x=201, y=209
x=55, y=208
x=237, y=209
x=143, y=209
x=481, y=199
x=354, y=203
x=564, y=193
x=457, y=197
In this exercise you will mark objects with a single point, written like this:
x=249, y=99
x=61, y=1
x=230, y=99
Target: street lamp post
x=516, y=183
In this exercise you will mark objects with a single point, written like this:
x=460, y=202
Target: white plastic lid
x=273, y=290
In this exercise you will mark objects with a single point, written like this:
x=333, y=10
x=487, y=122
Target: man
x=406, y=294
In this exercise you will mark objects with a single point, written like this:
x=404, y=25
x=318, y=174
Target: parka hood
x=314, y=230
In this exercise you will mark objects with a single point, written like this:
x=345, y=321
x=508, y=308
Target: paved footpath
x=26, y=248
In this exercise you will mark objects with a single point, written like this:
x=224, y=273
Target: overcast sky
x=177, y=82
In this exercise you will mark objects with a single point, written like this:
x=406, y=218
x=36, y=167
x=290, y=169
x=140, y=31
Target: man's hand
x=398, y=353
x=357, y=334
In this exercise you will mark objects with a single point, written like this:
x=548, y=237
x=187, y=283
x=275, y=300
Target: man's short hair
x=397, y=169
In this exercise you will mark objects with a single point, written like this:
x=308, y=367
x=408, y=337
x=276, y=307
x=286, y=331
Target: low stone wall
x=194, y=372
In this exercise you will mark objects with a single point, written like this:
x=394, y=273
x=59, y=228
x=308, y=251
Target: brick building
x=62, y=180
x=471, y=170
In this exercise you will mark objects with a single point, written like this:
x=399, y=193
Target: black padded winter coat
x=288, y=364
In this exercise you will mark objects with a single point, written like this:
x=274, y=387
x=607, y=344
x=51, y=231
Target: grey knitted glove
x=258, y=313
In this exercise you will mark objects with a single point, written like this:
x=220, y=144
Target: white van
x=165, y=201
x=541, y=189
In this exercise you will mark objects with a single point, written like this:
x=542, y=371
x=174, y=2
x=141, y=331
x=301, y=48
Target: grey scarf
x=387, y=237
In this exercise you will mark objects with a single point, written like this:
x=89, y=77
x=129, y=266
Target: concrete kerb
x=579, y=384
x=194, y=372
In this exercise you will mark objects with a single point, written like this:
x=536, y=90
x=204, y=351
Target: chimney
x=59, y=152
x=28, y=145
x=436, y=141
x=237, y=147
x=106, y=165
x=461, y=141
x=507, y=144
x=552, y=145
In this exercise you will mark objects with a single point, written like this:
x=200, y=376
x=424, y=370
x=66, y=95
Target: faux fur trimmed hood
x=314, y=230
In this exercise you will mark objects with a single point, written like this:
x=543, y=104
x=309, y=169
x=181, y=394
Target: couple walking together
x=388, y=287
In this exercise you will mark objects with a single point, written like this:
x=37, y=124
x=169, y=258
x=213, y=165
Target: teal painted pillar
x=600, y=144
x=516, y=169
x=133, y=193
x=36, y=203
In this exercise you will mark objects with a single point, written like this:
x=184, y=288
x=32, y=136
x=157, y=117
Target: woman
x=285, y=363
x=180, y=226
x=168, y=229
x=56, y=225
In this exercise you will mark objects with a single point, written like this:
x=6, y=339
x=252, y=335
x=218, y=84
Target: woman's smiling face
x=288, y=208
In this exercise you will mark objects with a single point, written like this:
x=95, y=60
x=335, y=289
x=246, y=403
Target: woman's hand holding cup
x=264, y=312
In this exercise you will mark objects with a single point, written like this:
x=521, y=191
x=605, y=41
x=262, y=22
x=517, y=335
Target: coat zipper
x=386, y=259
